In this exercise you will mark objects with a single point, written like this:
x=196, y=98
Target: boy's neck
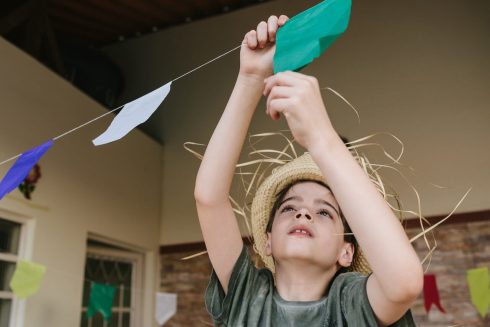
x=302, y=282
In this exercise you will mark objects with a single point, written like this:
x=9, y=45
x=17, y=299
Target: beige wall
x=113, y=190
x=418, y=69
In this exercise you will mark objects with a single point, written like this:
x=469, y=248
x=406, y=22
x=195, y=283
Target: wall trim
x=459, y=218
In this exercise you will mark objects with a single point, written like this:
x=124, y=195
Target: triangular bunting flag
x=479, y=285
x=133, y=114
x=27, y=278
x=307, y=35
x=431, y=293
x=21, y=168
x=101, y=300
x=166, y=307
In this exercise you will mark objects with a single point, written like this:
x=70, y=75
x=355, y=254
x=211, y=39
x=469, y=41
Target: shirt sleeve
x=355, y=305
x=234, y=305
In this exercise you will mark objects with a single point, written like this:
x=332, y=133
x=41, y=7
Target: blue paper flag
x=21, y=168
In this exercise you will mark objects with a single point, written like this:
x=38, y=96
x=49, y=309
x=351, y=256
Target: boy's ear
x=268, y=246
x=347, y=255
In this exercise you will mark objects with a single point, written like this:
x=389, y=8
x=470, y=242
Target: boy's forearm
x=372, y=221
x=216, y=172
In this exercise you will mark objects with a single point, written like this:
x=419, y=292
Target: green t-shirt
x=252, y=300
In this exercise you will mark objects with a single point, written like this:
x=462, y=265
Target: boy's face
x=307, y=227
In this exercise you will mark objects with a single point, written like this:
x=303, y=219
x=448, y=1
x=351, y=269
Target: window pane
x=84, y=320
x=97, y=320
x=114, y=320
x=5, y=312
x=126, y=320
x=125, y=271
x=6, y=271
x=9, y=236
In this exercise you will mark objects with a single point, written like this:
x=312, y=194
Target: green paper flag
x=479, y=285
x=101, y=299
x=307, y=35
x=27, y=278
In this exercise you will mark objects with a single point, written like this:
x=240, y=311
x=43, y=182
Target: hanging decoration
x=21, y=168
x=479, y=286
x=133, y=114
x=27, y=278
x=29, y=184
x=431, y=293
x=100, y=300
x=307, y=35
x=165, y=307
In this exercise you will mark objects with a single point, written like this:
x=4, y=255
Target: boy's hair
x=348, y=236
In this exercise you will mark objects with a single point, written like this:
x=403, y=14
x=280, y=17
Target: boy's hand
x=258, y=48
x=298, y=98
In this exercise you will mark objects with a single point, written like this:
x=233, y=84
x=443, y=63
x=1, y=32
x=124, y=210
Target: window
x=122, y=269
x=10, y=245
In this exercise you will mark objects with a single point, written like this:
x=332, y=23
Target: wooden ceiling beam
x=147, y=9
x=98, y=16
x=82, y=21
x=71, y=33
x=17, y=17
x=52, y=46
x=113, y=8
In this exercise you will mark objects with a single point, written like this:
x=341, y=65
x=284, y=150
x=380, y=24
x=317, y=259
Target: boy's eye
x=325, y=213
x=287, y=209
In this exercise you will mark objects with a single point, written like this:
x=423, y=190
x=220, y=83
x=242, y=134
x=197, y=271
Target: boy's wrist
x=251, y=79
x=325, y=144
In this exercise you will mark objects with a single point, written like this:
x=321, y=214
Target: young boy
x=298, y=221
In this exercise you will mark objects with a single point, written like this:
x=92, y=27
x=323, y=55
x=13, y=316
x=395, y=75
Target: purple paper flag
x=21, y=168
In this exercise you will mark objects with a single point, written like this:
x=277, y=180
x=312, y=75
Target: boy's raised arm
x=397, y=277
x=218, y=223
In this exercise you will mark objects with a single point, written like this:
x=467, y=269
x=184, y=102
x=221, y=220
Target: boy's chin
x=301, y=255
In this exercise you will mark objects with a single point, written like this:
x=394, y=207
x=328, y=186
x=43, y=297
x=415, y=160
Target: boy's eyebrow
x=294, y=197
x=321, y=201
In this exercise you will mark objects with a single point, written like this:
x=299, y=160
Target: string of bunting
x=302, y=39
x=28, y=277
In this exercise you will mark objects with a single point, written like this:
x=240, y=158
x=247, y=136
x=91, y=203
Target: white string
x=105, y=114
x=218, y=57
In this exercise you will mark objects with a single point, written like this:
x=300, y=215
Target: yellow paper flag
x=27, y=278
x=479, y=285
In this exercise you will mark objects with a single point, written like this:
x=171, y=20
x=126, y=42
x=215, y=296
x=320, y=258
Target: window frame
x=136, y=258
x=25, y=246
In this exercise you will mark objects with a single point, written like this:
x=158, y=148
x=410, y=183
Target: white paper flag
x=134, y=113
x=166, y=307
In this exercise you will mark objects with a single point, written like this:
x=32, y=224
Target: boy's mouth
x=301, y=231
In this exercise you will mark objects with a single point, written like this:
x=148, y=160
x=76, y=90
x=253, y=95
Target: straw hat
x=285, y=167
x=301, y=168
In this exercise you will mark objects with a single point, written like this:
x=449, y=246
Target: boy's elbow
x=410, y=286
x=201, y=196
x=206, y=198
x=414, y=286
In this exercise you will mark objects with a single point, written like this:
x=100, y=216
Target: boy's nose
x=303, y=212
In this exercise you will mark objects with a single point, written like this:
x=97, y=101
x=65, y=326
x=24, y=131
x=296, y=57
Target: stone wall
x=460, y=247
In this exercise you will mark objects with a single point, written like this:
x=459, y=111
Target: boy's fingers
x=262, y=34
x=276, y=107
x=251, y=38
x=272, y=27
x=280, y=79
x=282, y=20
x=278, y=92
